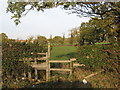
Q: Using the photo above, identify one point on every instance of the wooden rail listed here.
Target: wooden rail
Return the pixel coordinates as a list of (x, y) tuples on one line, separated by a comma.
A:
[(58, 69), (59, 61), (33, 59), (39, 53)]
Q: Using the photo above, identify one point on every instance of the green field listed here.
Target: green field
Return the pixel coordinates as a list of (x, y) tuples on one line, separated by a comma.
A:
[(63, 52)]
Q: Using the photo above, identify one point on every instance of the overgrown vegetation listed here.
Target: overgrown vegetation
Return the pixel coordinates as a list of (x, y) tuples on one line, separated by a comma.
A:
[(103, 27), (12, 52), (100, 57)]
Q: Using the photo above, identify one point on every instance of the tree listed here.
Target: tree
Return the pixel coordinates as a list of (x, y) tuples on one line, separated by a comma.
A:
[(41, 40), (58, 40), (105, 10), (30, 39), (74, 35), (97, 30), (64, 38), (3, 36), (108, 11)]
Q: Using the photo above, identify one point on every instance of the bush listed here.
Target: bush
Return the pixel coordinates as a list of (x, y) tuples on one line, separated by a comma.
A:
[(13, 51), (100, 57)]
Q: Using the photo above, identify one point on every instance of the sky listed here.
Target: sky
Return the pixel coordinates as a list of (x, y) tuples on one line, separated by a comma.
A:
[(55, 22)]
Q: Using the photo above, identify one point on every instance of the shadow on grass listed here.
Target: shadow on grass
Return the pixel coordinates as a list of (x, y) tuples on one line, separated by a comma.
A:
[(69, 55), (62, 84)]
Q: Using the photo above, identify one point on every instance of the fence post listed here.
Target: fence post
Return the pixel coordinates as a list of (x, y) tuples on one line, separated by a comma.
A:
[(48, 63), (48, 50), (29, 75), (36, 74), (47, 68), (24, 70), (71, 67), (35, 60)]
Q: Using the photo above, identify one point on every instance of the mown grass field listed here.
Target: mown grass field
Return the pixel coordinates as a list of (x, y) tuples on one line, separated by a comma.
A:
[(63, 52)]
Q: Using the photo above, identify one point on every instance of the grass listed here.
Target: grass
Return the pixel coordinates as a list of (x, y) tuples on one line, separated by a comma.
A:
[(103, 43), (63, 52)]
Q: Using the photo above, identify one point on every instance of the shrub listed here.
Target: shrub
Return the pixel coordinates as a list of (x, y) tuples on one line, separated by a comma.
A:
[(100, 57)]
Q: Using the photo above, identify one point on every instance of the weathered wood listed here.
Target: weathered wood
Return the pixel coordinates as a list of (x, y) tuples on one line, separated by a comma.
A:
[(48, 49), (29, 75), (41, 66), (31, 59), (36, 74), (77, 64), (59, 69), (24, 74), (35, 60), (72, 59), (93, 74), (59, 61), (71, 67), (47, 68), (40, 53)]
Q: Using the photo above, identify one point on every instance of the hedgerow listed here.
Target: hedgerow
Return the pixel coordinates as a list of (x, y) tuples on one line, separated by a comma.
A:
[(100, 57), (12, 52)]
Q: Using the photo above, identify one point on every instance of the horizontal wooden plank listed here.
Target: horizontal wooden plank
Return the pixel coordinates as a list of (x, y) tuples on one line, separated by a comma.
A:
[(39, 65), (58, 69), (40, 68), (40, 53), (93, 74), (59, 61), (77, 64), (33, 59), (42, 58), (72, 59)]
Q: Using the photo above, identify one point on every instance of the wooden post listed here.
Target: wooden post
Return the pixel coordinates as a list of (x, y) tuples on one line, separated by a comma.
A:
[(24, 70), (29, 75), (48, 60), (35, 62), (48, 50), (47, 68), (36, 74), (24, 74), (71, 67)]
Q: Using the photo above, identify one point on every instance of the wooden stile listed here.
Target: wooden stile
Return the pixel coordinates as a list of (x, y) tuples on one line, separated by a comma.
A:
[(46, 65)]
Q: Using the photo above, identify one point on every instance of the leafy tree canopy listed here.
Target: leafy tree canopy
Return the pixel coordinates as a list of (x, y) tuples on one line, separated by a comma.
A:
[(57, 40), (108, 11)]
